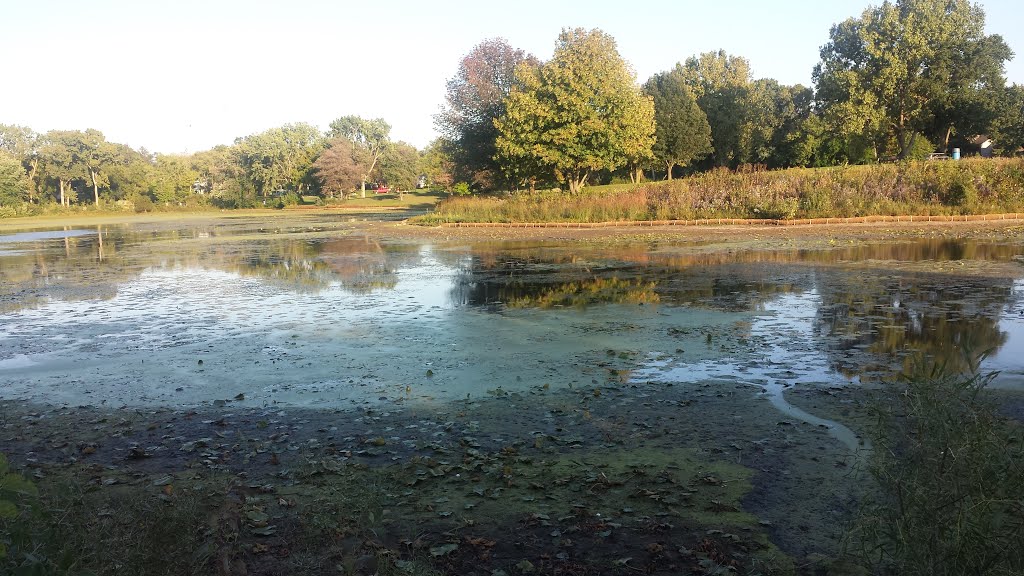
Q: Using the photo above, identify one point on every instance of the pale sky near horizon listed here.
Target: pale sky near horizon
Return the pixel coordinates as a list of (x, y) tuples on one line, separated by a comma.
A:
[(187, 75)]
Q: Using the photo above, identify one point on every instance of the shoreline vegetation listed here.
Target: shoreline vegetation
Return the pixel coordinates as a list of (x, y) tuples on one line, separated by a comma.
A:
[(966, 189)]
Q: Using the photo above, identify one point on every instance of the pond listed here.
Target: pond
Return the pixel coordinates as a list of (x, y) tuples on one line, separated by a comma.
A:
[(491, 386), (303, 316), (305, 312)]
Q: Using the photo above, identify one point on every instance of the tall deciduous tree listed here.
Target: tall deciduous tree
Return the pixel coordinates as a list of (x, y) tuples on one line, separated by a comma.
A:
[(474, 99), (580, 112), (890, 70), (279, 158), (172, 178), (339, 167), (14, 183), (372, 136), (399, 166), (721, 84), (436, 165), (1008, 126), (23, 143), (682, 132), (95, 154), (61, 160)]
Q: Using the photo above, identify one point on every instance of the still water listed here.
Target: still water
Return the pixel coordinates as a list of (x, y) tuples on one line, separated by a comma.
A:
[(307, 314)]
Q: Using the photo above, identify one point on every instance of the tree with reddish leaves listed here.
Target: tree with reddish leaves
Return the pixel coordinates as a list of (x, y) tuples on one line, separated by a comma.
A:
[(340, 167), (475, 98)]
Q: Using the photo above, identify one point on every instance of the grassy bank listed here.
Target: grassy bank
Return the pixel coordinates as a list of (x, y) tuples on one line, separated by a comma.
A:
[(977, 186), (48, 213)]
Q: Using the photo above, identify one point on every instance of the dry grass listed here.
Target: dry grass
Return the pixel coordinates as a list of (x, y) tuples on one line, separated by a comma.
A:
[(975, 186)]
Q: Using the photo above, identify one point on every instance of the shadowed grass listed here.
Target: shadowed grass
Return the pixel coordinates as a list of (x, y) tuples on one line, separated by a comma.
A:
[(949, 474)]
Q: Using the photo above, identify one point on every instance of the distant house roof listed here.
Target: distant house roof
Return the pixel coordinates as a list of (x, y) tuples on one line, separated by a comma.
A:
[(979, 140)]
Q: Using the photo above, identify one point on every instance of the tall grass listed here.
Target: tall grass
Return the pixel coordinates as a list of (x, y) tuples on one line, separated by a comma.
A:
[(949, 479), (971, 186)]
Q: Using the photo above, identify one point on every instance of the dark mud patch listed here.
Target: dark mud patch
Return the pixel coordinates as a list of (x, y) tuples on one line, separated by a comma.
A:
[(604, 480)]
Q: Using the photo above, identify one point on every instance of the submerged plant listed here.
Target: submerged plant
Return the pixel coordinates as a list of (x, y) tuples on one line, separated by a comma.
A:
[(949, 474)]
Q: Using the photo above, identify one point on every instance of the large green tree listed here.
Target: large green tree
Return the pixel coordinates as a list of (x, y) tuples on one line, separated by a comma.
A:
[(1008, 125), (172, 178), (474, 99), (22, 143), (721, 84), (280, 158), (436, 165), (371, 136), (578, 113), (890, 72), (682, 132), (399, 166), (60, 152), (95, 154), (14, 183)]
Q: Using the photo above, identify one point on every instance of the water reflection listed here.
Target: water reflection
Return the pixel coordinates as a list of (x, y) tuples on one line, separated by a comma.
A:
[(841, 312), (907, 322)]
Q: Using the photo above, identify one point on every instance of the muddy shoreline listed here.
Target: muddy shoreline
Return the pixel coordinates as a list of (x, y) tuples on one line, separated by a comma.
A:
[(610, 475), (801, 493)]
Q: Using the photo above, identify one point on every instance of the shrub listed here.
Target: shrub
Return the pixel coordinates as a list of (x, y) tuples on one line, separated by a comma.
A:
[(142, 203), (950, 483)]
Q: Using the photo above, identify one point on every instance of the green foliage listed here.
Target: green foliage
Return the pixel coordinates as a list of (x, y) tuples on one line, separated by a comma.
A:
[(950, 482), (461, 189), (916, 188), (682, 132), (141, 202), (905, 66), (720, 82), (437, 165), (278, 159), (919, 148), (14, 183), (577, 114), (16, 497), (398, 167), (1008, 127)]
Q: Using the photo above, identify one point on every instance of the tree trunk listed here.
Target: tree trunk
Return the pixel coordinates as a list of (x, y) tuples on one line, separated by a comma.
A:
[(362, 189), (95, 187), (949, 132), (61, 180), (33, 165), (668, 170)]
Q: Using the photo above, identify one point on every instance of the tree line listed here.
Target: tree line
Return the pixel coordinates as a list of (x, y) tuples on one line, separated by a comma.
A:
[(274, 167), (902, 80)]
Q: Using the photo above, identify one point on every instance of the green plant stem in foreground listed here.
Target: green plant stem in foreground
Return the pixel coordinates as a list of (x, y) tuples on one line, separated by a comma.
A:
[(949, 474), (975, 186)]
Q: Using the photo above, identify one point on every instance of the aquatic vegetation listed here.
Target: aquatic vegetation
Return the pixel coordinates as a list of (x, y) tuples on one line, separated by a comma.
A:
[(589, 292)]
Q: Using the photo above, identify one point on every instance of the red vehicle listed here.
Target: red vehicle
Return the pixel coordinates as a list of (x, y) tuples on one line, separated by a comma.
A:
[(382, 189)]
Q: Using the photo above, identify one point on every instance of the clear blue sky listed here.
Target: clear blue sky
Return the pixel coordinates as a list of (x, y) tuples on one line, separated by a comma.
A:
[(187, 75)]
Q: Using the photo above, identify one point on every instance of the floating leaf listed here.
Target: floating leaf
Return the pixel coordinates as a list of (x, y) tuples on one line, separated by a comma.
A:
[(265, 530), (8, 509), (443, 550), (526, 567)]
